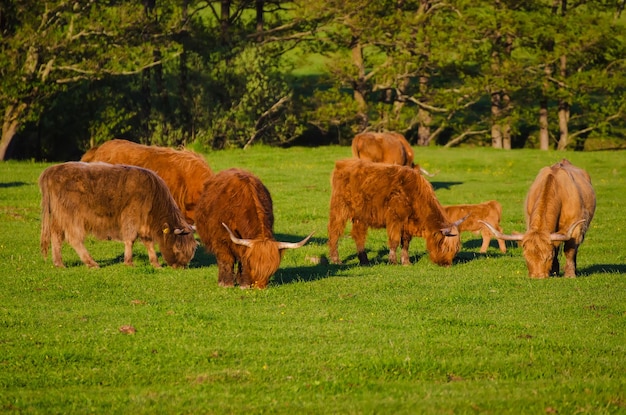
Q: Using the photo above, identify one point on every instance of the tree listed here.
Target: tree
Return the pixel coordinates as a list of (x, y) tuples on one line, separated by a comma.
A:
[(50, 45)]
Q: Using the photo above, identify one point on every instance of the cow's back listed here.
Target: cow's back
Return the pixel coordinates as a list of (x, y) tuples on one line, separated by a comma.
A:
[(184, 172), (238, 199), (560, 195), (390, 148)]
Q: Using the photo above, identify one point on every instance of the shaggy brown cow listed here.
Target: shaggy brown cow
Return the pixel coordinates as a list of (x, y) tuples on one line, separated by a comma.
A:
[(388, 147), (490, 212), (111, 202), (559, 207), (183, 171), (394, 197), (234, 221)]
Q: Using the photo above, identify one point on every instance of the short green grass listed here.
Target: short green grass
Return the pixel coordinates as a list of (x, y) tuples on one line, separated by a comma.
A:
[(478, 337)]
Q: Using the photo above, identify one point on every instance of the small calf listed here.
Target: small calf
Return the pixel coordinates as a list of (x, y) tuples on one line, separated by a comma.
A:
[(490, 212)]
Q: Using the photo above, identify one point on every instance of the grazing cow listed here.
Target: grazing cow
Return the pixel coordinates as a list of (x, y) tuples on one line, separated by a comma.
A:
[(389, 147), (183, 171), (394, 197), (559, 207), (235, 222), (490, 212), (111, 202)]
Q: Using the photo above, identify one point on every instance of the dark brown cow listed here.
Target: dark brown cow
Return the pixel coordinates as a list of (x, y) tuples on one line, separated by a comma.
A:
[(235, 222), (183, 171), (387, 147), (559, 207), (111, 202), (398, 198), (490, 212)]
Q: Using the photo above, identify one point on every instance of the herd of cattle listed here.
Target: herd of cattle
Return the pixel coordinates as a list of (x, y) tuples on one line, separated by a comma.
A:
[(127, 191)]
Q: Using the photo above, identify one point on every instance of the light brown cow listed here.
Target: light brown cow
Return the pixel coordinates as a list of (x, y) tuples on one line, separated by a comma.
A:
[(387, 147), (183, 171), (490, 212), (111, 202), (397, 198), (235, 222), (559, 207)]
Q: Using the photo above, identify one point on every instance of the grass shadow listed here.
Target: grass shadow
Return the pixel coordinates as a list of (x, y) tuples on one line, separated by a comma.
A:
[(289, 275), (602, 269), (444, 185), (12, 184)]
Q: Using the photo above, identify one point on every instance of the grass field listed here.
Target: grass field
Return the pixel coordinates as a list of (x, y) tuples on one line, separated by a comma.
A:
[(477, 337)]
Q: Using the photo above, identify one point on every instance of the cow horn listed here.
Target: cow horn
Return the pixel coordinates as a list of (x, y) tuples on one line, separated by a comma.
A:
[(460, 221), (565, 237), (293, 245), (178, 231), (238, 241), (500, 235)]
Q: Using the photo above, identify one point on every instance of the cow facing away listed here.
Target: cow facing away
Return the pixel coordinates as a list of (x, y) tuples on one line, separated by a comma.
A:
[(559, 207), (397, 198), (235, 222), (387, 147), (111, 202), (490, 212), (183, 171)]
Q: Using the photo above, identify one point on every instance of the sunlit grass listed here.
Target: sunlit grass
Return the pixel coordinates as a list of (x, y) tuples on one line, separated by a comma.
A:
[(478, 337)]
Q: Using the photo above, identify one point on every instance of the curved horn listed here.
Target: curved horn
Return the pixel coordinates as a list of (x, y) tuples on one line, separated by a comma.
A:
[(500, 235), (293, 245), (238, 241), (460, 221), (565, 237)]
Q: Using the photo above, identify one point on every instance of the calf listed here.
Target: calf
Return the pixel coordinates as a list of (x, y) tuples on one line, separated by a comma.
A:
[(490, 212)]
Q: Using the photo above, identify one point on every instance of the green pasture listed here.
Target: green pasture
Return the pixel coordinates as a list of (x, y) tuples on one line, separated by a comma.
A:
[(477, 337)]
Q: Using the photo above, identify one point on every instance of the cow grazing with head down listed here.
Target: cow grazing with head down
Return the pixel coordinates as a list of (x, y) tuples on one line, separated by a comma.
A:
[(387, 147), (111, 202), (490, 212), (235, 222), (183, 171), (397, 198), (559, 207)]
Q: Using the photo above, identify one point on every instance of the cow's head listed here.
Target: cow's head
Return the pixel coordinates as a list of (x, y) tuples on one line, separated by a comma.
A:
[(262, 257), (443, 244), (539, 247), (178, 245)]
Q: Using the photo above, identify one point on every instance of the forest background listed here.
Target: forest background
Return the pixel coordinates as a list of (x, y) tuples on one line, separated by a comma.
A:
[(217, 74)]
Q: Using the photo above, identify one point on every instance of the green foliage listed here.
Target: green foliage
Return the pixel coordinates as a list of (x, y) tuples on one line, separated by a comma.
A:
[(479, 336)]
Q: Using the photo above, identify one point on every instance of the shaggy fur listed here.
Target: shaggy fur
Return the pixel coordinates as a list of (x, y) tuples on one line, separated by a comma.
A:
[(490, 212), (239, 200), (394, 197), (184, 172), (111, 202), (390, 148), (560, 195)]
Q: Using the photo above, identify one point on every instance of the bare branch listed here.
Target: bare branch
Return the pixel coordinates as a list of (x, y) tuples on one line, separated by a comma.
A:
[(259, 127), (464, 135)]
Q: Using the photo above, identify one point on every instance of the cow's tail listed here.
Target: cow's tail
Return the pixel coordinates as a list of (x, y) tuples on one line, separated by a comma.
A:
[(90, 155), (45, 215)]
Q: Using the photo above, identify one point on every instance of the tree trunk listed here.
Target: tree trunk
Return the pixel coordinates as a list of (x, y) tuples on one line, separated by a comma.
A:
[(496, 132), (544, 132), (225, 22), (359, 84), (259, 20), (564, 110), (10, 125), (185, 98), (424, 116)]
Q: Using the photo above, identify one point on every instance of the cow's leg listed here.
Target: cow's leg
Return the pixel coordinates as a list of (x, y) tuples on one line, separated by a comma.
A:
[(336, 226), (570, 249), (225, 271), (359, 234), (555, 261), (393, 240), (152, 255), (404, 255), (77, 242), (57, 243), (486, 239)]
